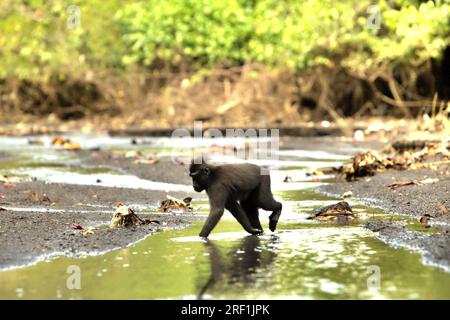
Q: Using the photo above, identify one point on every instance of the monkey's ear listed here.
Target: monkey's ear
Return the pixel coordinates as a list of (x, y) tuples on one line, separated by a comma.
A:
[(198, 160), (207, 171)]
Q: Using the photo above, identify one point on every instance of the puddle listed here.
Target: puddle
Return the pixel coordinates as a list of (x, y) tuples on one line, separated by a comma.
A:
[(102, 180)]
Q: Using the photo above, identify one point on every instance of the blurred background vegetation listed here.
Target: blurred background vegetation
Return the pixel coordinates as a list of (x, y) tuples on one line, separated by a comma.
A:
[(169, 62)]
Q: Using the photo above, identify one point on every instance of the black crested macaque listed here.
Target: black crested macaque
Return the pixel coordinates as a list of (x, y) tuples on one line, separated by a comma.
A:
[(239, 188)]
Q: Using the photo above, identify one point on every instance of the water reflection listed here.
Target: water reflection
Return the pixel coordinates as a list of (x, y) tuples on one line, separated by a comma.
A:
[(247, 258)]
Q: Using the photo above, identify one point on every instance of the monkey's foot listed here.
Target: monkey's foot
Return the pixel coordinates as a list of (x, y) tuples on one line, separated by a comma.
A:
[(273, 220), (256, 231)]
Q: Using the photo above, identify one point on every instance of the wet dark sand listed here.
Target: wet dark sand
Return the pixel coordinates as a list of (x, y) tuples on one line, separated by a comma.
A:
[(164, 170), (39, 226)]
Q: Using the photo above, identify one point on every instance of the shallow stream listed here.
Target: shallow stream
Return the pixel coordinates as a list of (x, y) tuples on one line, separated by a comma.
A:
[(302, 259)]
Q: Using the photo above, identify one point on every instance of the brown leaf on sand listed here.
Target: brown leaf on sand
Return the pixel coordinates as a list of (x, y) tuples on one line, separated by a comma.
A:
[(145, 161), (89, 230), (3, 209), (423, 220), (85, 230), (45, 198), (443, 210), (119, 204), (66, 144), (148, 221), (57, 141), (77, 226), (71, 146), (36, 197), (334, 211), (7, 184), (133, 154), (172, 203), (396, 185), (125, 216), (399, 156)]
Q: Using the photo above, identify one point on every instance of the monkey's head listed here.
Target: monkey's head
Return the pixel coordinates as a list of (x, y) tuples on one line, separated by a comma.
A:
[(200, 174)]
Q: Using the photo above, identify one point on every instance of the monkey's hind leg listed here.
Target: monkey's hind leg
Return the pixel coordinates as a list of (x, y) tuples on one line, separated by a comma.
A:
[(240, 215), (250, 207), (269, 204), (275, 207)]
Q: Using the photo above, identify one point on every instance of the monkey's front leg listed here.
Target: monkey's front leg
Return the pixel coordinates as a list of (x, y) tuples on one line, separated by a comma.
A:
[(214, 216), (240, 215), (217, 200)]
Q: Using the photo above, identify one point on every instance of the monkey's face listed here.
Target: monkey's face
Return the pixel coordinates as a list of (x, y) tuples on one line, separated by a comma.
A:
[(200, 176)]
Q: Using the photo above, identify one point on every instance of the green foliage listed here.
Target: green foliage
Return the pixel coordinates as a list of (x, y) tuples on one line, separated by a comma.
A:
[(288, 33), (36, 42), (205, 31)]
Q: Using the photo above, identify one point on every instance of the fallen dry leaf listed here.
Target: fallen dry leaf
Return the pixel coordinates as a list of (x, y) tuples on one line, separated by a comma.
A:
[(399, 156), (318, 172), (58, 141), (124, 216), (429, 180), (428, 165), (442, 209), (77, 226), (145, 161), (71, 146), (9, 185), (333, 211), (396, 185), (423, 220), (89, 230), (66, 144), (85, 231), (148, 221), (172, 203), (133, 154)]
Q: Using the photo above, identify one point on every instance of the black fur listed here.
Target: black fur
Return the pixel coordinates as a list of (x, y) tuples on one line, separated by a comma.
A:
[(239, 188)]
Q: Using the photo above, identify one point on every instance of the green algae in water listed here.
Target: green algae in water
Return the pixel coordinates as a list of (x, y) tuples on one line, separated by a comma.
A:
[(301, 195), (324, 263), (415, 225)]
